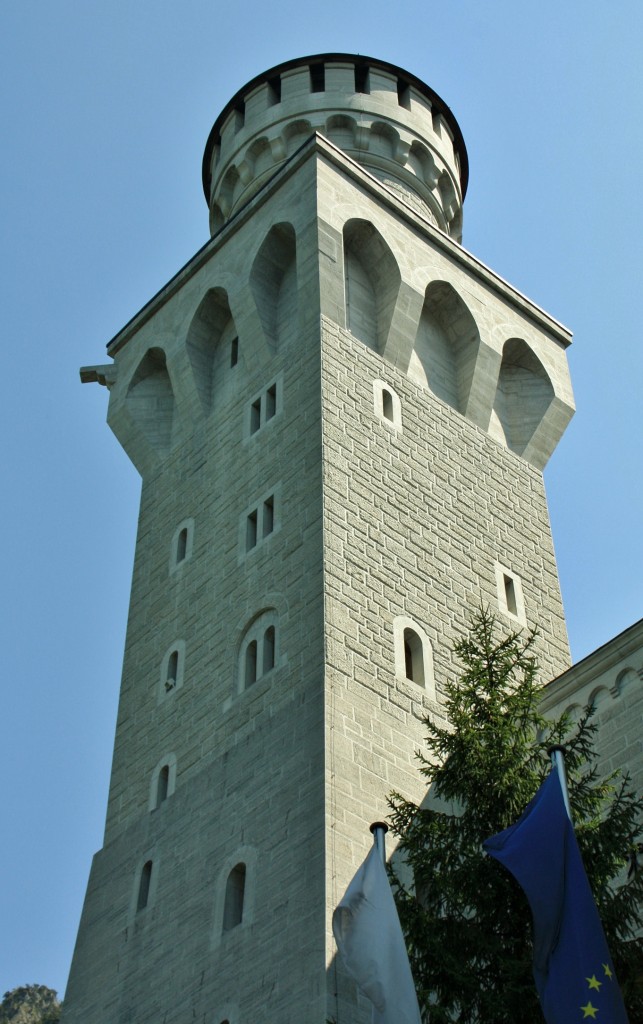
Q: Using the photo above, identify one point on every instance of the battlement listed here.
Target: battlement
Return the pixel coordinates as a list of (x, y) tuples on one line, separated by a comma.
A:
[(380, 115)]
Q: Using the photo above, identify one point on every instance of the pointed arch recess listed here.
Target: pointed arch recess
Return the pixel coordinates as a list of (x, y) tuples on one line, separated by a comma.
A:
[(446, 346), (150, 399), (273, 281), (372, 283), (523, 395), (212, 327)]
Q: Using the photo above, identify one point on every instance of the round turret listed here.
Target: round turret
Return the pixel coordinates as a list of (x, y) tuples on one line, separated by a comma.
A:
[(380, 115)]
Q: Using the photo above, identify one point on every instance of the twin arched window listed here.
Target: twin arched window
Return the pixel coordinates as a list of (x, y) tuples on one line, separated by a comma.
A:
[(259, 649)]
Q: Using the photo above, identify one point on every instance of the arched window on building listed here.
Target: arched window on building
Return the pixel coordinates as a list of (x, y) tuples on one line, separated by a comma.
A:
[(413, 654), (172, 669), (181, 545), (413, 657), (259, 651), (387, 405), (144, 885), (269, 650), (234, 897), (250, 673), (162, 784), (162, 781)]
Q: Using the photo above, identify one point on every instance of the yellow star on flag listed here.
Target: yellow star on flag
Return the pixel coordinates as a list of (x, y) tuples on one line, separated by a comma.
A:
[(606, 968), (593, 982), (589, 1011)]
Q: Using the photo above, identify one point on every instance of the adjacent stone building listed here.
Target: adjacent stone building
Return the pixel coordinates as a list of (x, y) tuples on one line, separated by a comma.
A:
[(341, 418), (608, 679)]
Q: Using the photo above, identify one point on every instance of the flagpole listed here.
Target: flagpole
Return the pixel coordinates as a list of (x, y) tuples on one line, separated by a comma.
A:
[(557, 754), (379, 830)]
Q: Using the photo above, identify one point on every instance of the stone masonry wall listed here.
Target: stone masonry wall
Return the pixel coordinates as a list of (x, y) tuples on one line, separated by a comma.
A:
[(414, 522)]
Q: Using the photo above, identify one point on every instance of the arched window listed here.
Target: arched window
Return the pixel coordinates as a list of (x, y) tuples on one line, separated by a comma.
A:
[(413, 657), (259, 651), (413, 654), (172, 669), (387, 405), (162, 784), (181, 546), (251, 664), (234, 897), (162, 781), (144, 886), (269, 649)]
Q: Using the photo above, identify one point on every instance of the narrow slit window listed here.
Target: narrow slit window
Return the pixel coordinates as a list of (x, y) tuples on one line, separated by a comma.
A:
[(269, 649), (510, 594), (163, 785), (268, 523), (413, 657), (251, 663), (255, 416), (144, 886), (387, 405), (234, 352), (172, 670), (234, 897), (271, 401), (182, 545), (251, 530)]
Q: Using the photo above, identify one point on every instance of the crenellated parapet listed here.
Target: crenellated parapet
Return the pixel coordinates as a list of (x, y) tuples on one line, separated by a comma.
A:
[(380, 115)]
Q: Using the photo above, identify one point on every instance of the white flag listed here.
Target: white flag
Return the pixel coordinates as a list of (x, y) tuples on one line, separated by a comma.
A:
[(369, 937)]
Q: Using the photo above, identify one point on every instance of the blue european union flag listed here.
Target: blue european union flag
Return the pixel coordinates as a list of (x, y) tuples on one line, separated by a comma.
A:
[(572, 967)]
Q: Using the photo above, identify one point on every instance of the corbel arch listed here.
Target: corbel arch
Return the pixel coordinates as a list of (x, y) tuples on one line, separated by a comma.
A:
[(211, 333), (523, 395), (150, 400), (273, 282), (446, 346), (372, 283), (340, 129)]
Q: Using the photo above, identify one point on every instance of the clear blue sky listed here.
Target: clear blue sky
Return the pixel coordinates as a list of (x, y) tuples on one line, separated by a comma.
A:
[(106, 107)]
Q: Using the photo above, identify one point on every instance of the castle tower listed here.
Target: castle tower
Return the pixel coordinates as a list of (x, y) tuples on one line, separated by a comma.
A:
[(341, 419)]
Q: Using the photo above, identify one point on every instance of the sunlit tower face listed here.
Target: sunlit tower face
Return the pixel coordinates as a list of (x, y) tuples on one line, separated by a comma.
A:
[(340, 418)]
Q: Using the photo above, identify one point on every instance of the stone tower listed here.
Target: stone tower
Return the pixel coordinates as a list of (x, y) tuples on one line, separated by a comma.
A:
[(340, 417)]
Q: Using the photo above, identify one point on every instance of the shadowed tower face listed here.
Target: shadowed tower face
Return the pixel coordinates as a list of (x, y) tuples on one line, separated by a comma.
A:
[(341, 419)]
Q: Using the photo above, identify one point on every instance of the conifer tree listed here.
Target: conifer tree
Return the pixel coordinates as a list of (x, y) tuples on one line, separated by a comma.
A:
[(467, 922), (30, 1004)]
